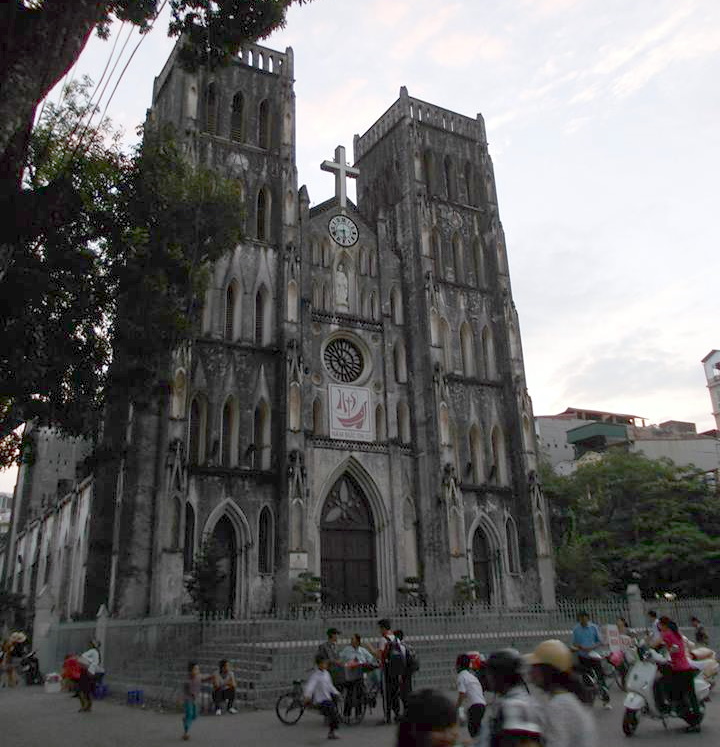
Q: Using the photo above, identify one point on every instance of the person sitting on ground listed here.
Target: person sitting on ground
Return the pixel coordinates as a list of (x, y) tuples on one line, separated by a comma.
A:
[(568, 722), (429, 721), (515, 718), (357, 660), (470, 694), (224, 686), (321, 693), (586, 639), (701, 636)]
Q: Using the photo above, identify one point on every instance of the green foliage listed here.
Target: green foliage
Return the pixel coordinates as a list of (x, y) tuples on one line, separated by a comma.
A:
[(205, 578), (308, 588), (627, 516), (466, 589), (118, 284)]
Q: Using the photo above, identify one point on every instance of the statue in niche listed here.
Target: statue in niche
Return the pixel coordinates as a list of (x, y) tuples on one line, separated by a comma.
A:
[(341, 286)]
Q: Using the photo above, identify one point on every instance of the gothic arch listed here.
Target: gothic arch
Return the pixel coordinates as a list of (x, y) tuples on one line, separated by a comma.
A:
[(437, 254), (263, 314), (179, 392), (197, 429), (400, 362), (488, 353), (396, 310), (477, 468), (264, 124), (210, 108), (467, 348), (318, 424), (232, 307), (237, 115), (512, 544), (450, 178), (189, 538), (457, 255), (263, 214), (229, 432), (486, 569), (292, 301), (499, 455), (410, 548), (384, 540), (266, 540), (228, 510), (479, 261), (403, 422), (446, 345), (444, 425), (528, 441), (294, 407), (261, 435)]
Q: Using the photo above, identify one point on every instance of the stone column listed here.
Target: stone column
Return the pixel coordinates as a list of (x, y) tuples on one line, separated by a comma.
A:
[(635, 606), (45, 631)]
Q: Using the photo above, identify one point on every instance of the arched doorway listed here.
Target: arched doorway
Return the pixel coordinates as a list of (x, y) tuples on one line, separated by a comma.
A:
[(225, 539), (347, 542), (482, 558)]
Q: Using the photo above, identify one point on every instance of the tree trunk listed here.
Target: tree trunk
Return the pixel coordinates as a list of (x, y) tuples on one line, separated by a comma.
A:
[(39, 47)]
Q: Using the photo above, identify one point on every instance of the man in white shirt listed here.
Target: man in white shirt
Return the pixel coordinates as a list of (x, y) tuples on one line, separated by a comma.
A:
[(320, 691), (470, 694)]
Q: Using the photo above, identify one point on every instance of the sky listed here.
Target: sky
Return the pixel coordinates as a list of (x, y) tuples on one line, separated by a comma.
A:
[(602, 123)]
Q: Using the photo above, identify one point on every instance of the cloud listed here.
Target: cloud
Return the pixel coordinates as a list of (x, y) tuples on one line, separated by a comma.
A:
[(459, 50), (415, 36)]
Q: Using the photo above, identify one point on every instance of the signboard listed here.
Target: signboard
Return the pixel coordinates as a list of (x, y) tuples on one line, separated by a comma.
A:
[(350, 417)]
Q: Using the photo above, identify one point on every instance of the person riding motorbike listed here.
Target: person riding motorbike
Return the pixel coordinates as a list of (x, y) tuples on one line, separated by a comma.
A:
[(682, 677), (585, 640)]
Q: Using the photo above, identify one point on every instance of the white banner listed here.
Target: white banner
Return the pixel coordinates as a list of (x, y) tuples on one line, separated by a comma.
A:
[(350, 416)]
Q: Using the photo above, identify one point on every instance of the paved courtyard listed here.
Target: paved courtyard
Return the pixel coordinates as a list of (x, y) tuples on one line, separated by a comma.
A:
[(31, 718)]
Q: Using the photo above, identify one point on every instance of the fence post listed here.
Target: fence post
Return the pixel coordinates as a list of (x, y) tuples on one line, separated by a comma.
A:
[(636, 609), (101, 625)]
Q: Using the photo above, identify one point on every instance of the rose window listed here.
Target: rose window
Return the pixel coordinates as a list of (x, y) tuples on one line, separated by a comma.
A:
[(344, 360)]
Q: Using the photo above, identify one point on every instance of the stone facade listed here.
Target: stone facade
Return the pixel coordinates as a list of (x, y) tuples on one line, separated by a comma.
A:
[(354, 403)]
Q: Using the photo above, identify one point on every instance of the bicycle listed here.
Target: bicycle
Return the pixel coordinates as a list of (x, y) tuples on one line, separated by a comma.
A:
[(290, 706)]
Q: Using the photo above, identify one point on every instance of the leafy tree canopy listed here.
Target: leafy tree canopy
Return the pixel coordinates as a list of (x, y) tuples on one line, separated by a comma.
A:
[(110, 293), (627, 518)]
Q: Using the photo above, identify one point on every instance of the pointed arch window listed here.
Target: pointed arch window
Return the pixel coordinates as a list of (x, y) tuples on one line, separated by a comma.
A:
[(196, 431), (437, 254), (265, 541), (429, 170), (403, 418), (189, 544), (450, 183), (380, 431), (476, 456), (230, 309), (446, 344), (467, 347), (262, 316), (228, 434), (479, 262), (399, 359), (469, 183), (261, 436), (457, 249), (488, 362), (396, 310), (264, 124), (497, 445), (263, 214), (292, 301), (211, 105), (237, 132)]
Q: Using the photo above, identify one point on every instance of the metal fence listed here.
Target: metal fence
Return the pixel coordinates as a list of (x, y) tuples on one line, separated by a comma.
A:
[(269, 650)]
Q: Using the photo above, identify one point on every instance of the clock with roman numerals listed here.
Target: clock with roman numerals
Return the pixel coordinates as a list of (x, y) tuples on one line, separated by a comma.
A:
[(343, 230)]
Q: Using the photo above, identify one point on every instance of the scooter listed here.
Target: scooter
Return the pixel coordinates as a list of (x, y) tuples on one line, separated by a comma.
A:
[(583, 667), (641, 698), (703, 658)]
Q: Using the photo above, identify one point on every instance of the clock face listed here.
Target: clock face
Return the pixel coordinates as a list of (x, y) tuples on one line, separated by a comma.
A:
[(343, 230)]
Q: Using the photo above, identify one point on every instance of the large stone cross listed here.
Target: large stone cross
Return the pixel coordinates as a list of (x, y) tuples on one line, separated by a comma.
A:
[(342, 171)]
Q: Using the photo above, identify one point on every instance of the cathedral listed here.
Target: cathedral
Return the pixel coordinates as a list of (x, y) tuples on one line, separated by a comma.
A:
[(353, 404)]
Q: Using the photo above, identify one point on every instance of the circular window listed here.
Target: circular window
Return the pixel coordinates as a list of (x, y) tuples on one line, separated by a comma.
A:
[(343, 359)]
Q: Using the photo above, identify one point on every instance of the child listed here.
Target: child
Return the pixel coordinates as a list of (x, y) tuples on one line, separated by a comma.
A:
[(320, 691), (470, 693), (192, 690)]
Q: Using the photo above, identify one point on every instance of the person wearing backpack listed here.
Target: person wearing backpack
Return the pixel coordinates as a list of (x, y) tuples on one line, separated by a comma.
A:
[(389, 653), (412, 665)]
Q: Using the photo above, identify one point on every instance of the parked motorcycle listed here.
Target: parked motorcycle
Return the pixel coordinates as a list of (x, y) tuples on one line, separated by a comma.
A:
[(30, 669), (583, 666), (643, 699)]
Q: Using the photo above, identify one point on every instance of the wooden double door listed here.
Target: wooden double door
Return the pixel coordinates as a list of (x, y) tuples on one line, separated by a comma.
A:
[(348, 567)]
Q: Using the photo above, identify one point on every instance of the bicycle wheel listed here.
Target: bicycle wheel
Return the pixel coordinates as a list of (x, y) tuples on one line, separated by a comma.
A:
[(289, 708)]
